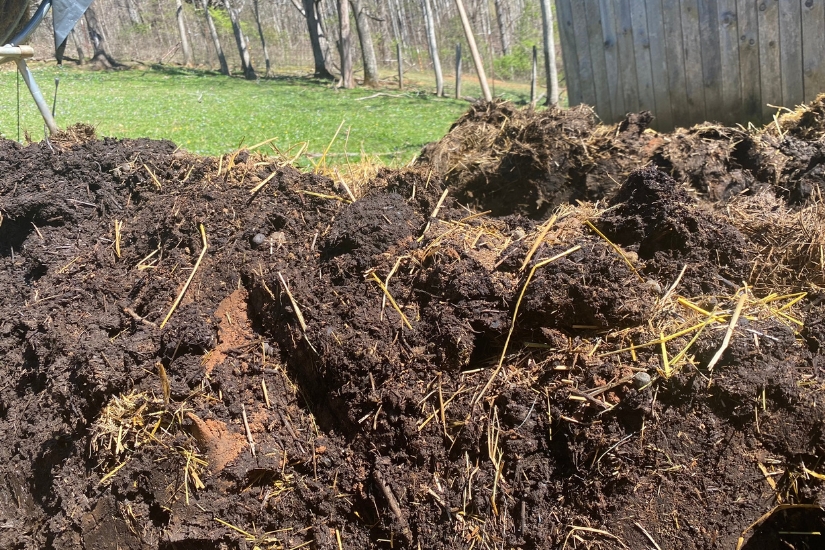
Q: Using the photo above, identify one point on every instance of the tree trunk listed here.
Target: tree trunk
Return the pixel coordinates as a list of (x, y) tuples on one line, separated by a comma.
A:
[(428, 21), (134, 14), (345, 44), (362, 27), (240, 41), (261, 34), (188, 58), (100, 55), (549, 54), (471, 41), (81, 57), (501, 16), (313, 25), (215, 40)]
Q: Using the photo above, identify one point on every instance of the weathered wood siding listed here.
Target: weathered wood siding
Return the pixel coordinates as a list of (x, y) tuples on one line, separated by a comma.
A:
[(688, 61)]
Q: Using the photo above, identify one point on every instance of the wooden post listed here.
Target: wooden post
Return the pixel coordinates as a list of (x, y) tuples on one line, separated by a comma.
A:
[(549, 53), (471, 41), (533, 76), (458, 70), (400, 66)]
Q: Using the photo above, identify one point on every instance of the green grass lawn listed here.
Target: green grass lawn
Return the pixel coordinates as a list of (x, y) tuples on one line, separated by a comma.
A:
[(207, 113)]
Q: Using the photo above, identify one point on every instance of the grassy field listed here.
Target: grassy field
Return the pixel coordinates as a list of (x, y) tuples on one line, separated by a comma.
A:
[(207, 113)]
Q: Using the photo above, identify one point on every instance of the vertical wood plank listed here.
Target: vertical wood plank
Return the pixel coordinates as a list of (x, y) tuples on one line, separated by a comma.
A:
[(749, 70), (611, 56), (770, 76), (671, 15), (694, 78), (598, 61), (790, 52), (641, 50), (729, 57), (658, 63), (711, 59), (570, 57), (627, 58), (586, 75), (813, 47)]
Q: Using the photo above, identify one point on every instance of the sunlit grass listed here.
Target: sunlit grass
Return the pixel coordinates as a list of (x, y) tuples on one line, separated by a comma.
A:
[(207, 113)]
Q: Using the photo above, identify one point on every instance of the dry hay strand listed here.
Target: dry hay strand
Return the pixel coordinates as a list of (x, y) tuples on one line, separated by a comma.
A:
[(127, 422), (74, 135), (806, 122), (789, 245), (489, 132)]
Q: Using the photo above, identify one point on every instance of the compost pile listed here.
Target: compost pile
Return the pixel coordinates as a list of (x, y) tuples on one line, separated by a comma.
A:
[(230, 353), (507, 160)]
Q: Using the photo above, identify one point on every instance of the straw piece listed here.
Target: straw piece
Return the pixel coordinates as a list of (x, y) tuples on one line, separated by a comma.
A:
[(391, 299), (539, 264), (726, 340), (189, 280), (539, 239)]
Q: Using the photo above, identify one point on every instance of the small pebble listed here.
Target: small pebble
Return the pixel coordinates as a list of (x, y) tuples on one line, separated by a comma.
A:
[(654, 286), (518, 233), (640, 380), (258, 239)]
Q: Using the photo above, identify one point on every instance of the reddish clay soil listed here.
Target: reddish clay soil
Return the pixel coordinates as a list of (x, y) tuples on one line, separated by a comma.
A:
[(399, 372)]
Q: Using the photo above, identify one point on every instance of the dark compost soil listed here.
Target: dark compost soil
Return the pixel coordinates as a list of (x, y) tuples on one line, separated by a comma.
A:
[(350, 375)]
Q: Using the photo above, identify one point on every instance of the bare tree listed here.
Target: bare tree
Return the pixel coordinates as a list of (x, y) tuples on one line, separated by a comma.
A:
[(313, 25), (240, 41), (99, 55), (362, 26), (345, 44), (188, 58), (213, 33), (261, 34), (549, 54), (428, 21), (501, 16)]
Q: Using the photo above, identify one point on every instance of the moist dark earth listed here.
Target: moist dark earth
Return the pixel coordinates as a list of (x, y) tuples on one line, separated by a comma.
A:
[(228, 353)]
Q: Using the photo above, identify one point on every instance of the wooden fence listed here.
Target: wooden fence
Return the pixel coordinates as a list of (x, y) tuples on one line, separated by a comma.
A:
[(689, 61)]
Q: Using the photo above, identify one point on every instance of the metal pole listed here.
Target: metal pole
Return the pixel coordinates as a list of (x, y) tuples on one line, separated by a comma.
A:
[(42, 106)]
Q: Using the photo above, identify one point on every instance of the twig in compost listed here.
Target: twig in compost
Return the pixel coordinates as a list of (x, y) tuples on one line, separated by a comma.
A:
[(539, 264), (393, 503), (391, 299), (296, 309), (189, 280), (131, 313), (248, 431), (728, 333)]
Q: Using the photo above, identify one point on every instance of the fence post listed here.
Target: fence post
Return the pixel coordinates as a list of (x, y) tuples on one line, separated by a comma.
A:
[(400, 66), (458, 70), (533, 75)]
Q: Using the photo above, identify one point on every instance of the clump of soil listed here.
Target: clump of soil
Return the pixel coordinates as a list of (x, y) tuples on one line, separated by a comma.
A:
[(191, 362), (508, 160)]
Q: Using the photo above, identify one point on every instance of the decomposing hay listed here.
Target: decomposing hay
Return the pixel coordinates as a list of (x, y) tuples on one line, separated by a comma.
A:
[(511, 160), (501, 158), (789, 244)]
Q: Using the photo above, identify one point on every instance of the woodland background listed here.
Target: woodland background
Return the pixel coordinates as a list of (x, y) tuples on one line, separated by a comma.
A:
[(267, 37)]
